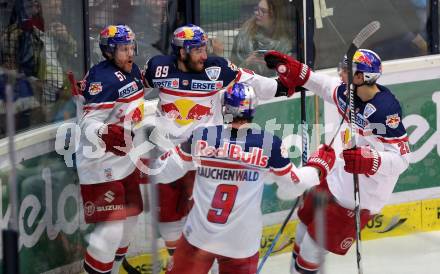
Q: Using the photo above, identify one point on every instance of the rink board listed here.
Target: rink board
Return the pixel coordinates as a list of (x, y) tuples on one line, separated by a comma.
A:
[(393, 220)]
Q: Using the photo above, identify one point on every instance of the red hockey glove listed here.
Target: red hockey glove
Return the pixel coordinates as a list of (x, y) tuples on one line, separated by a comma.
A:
[(290, 71), (114, 138), (361, 160), (323, 159)]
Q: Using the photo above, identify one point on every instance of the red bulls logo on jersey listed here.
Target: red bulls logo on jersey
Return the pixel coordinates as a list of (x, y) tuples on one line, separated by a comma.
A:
[(232, 151), (185, 111)]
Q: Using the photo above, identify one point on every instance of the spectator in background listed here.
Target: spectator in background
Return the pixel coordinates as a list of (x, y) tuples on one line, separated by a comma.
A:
[(33, 8), (60, 53), (20, 61), (20, 44), (402, 33), (270, 28)]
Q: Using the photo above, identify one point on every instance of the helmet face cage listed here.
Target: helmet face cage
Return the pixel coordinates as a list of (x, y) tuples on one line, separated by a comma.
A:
[(188, 37), (367, 62), (114, 35), (240, 101)]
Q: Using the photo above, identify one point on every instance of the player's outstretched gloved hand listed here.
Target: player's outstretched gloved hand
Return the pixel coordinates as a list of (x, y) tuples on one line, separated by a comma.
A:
[(323, 159), (291, 72), (361, 160), (115, 139)]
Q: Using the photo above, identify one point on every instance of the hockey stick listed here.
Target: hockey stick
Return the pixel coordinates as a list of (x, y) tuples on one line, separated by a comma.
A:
[(306, 31), (307, 37), (129, 268), (360, 38), (363, 35), (277, 236)]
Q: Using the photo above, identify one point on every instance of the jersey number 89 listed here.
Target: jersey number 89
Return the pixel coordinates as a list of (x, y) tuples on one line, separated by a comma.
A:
[(161, 71), (222, 203)]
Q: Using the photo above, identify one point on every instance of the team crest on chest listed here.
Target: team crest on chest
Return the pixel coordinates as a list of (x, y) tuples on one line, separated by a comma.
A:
[(369, 109), (213, 73)]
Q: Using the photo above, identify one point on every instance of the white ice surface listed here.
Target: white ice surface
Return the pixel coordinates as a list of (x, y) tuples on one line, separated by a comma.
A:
[(414, 254)]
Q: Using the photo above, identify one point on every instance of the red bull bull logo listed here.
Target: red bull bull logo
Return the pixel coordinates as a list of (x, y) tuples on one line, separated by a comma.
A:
[(95, 88), (185, 111), (138, 114), (110, 31), (359, 57), (135, 116), (393, 121), (186, 33)]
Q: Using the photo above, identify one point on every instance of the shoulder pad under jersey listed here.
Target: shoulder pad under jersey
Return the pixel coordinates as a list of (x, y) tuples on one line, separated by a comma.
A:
[(101, 82), (385, 110)]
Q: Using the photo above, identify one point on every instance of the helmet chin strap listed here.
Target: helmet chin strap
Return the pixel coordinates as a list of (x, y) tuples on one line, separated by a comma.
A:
[(364, 83)]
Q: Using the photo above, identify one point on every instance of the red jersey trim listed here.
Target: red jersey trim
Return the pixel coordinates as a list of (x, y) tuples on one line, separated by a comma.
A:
[(99, 106), (185, 93), (183, 155), (394, 140), (237, 77), (282, 171)]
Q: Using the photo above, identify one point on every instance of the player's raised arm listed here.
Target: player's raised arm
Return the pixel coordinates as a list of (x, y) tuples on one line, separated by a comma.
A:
[(293, 181), (173, 164), (292, 73)]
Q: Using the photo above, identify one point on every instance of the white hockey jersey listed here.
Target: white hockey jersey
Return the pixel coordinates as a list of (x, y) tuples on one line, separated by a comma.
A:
[(188, 100), (232, 166), (111, 96), (378, 124)]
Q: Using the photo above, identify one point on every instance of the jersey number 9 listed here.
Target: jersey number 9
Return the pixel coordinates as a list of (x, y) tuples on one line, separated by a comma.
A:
[(222, 203)]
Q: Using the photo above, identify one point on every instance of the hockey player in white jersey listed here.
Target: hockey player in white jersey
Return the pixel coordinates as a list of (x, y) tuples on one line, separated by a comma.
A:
[(381, 154), (232, 162), (113, 106), (190, 85)]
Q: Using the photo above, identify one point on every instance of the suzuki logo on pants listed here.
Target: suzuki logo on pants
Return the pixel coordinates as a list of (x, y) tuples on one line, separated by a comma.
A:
[(109, 196)]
